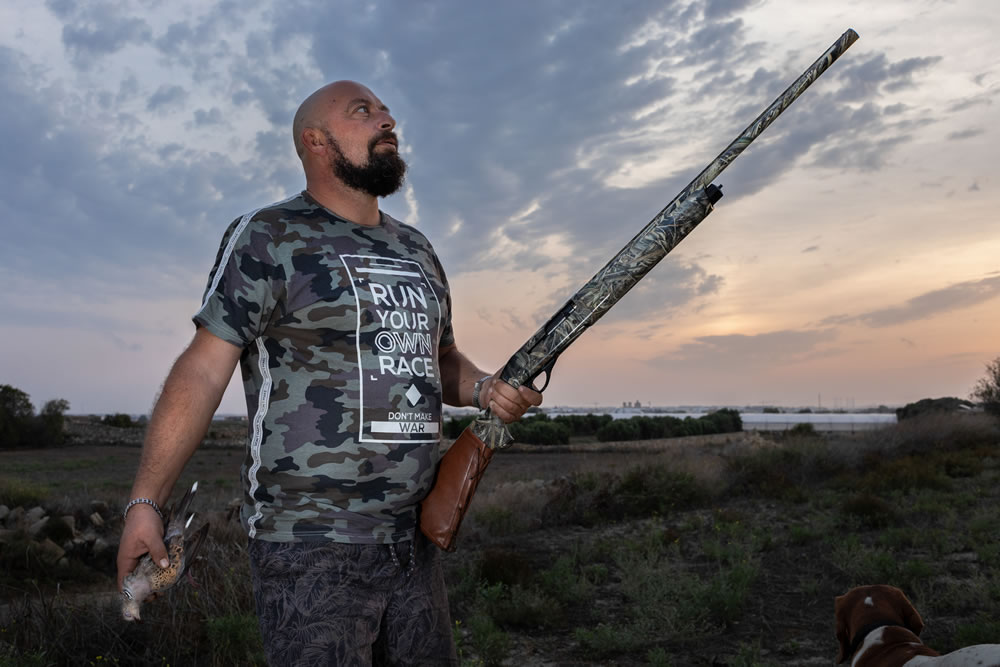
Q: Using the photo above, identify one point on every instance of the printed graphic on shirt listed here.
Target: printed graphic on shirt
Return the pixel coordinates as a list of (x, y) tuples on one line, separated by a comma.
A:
[(398, 332)]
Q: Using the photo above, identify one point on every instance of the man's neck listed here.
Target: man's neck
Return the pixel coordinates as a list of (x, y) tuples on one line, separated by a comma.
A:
[(351, 205)]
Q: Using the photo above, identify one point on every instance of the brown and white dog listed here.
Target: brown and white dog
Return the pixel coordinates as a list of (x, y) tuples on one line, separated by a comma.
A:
[(879, 627)]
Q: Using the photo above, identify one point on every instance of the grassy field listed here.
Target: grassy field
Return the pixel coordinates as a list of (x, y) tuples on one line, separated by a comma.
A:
[(719, 551)]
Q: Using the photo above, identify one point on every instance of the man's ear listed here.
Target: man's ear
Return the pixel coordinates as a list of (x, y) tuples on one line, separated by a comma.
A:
[(840, 612), (313, 140)]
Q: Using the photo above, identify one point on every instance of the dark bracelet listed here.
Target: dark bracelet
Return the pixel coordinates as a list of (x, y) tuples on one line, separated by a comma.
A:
[(142, 501)]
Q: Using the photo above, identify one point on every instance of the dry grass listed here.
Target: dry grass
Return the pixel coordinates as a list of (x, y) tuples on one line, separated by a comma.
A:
[(730, 550)]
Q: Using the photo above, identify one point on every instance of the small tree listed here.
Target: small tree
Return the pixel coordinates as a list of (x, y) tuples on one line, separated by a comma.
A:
[(20, 427), (987, 389), (16, 415), (52, 420)]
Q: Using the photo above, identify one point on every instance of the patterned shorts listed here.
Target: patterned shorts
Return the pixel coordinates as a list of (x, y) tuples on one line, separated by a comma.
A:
[(329, 603)]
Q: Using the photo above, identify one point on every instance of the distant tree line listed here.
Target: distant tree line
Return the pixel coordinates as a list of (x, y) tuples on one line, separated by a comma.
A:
[(21, 427), (540, 429), (650, 428), (930, 405), (985, 393)]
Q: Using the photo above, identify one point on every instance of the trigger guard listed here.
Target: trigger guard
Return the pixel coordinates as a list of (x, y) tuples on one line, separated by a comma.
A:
[(547, 369)]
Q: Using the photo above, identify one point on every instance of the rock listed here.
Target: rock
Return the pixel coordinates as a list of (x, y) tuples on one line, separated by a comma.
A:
[(38, 526), (33, 515), (63, 563), (50, 552), (96, 520), (70, 521), (100, 546), (99, 506), (14, 518), (4, 511), (7, 535)]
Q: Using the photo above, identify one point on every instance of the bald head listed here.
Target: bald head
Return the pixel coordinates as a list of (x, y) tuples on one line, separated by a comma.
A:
[(313, 110)]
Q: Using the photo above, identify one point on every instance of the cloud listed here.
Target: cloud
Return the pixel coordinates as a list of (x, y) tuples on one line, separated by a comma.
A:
[(966, 133), (669, 286), (741, 352), (96, 29), (715, 9), (115, 202), (866, 79), (209, 117), (927, 305), (166, 98)]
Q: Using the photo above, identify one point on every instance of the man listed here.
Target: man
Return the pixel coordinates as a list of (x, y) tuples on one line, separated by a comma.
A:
[(340, 317)]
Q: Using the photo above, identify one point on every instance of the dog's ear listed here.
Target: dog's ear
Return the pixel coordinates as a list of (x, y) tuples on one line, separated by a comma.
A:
[(841, 626), (907, 612)]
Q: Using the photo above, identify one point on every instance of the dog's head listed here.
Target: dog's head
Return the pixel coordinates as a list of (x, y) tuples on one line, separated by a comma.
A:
[(866, 607)]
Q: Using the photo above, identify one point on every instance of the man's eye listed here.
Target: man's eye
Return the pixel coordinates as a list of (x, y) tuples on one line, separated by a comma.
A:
[(363, 108)]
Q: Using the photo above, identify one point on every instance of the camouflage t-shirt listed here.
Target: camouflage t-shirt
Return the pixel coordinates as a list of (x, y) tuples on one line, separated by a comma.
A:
[(340, 326)]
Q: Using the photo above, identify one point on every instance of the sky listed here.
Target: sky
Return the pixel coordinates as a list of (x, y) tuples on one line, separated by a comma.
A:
[(853, 261)]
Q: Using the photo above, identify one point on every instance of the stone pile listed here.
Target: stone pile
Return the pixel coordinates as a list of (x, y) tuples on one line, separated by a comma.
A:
[(54, 539)]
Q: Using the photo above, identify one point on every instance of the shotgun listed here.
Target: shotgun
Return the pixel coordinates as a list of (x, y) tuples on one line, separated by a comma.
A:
[(462, 466)]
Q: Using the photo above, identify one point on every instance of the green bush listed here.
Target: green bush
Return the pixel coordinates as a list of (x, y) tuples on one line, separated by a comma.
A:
[(540, 430), (20, 427), (583, 425), (652, 428), (803, 428), (930, 405), (118, 420), (987, 389), (654, 490), (235, 639), (14, 492), (454, 427)]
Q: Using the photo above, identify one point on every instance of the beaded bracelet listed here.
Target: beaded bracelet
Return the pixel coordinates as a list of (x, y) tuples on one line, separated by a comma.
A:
[(142, 501)]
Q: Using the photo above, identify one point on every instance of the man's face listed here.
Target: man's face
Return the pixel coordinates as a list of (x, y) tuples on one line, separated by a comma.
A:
[(380, 176)]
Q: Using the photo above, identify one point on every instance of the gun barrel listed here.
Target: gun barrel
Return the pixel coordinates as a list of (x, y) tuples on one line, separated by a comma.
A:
[(671, 225), (761, 122)]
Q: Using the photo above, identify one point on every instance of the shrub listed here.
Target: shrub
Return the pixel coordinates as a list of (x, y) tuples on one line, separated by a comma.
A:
[(539, 431), (454, 427), (118, 420), (931, 405), (654, 490), (935, 432), (803, 428), (20, 427), (870, 510), (235, 639), (649, 428), (14, 492), (583, 425), (987, 389)]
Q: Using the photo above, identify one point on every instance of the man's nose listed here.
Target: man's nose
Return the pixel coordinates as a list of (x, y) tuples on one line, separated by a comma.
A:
[(386, 121)]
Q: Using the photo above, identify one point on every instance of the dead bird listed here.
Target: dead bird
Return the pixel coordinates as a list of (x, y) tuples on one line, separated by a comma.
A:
[(148, 580)]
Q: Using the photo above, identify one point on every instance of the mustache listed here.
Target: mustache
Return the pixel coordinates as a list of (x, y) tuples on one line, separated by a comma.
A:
[(385, 134)]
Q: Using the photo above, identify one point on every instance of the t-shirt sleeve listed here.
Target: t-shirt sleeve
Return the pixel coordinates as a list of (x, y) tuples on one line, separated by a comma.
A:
[(244, 286)]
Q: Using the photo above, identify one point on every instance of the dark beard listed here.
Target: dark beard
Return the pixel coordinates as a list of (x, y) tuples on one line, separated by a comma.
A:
[(382, 175)]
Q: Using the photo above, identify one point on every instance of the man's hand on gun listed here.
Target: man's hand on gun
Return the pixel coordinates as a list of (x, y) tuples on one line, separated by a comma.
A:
[(506, 402)]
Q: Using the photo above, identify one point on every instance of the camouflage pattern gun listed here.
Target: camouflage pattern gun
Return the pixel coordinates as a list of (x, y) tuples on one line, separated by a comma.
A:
[(464, 463)]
